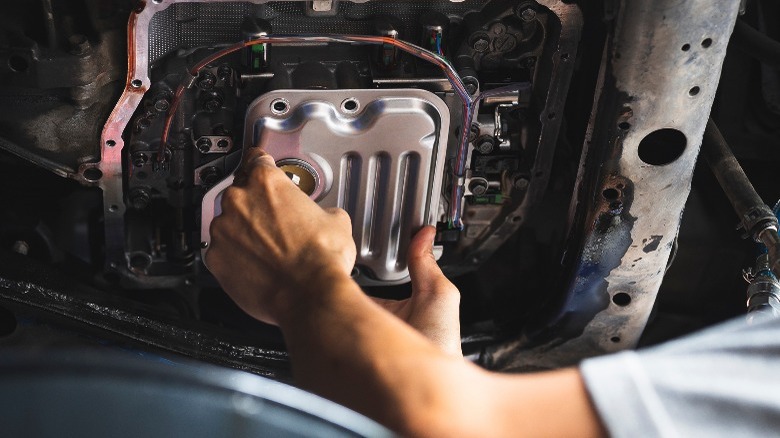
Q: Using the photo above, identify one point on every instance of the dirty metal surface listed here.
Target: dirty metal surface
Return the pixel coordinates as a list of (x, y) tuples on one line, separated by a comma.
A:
[(657, 84)]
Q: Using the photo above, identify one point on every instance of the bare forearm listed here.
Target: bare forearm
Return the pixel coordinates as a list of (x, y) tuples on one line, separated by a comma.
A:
[(348, 349)]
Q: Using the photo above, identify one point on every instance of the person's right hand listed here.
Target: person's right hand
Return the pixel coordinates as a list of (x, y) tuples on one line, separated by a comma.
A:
[(273, 247), (433, 308)]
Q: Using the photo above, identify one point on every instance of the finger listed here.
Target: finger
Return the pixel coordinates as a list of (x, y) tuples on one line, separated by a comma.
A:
[(424, 271), (253, 157)]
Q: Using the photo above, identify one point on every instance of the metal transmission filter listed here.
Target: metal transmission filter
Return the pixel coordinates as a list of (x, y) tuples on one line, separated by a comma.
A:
[(378, 154)]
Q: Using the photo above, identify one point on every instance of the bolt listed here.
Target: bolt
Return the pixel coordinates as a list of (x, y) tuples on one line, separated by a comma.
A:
[(485, 145), (210, 175), (162, 104), (207, 81), (21, 247), (224, 72), (498, 29), (223, 143), (478, 187), (521, 183), (79, 45), (481, 44), (204, 145), (139, 159), (213, 101), (139, 198), (527, 14)]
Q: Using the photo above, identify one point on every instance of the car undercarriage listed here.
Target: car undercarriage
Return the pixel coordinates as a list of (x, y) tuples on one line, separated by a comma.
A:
[(553, 144)]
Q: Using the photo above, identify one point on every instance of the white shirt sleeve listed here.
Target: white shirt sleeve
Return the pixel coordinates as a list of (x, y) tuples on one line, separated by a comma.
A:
[(722, 382)]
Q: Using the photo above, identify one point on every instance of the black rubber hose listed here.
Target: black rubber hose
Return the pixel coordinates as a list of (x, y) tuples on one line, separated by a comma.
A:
[(758, 220), (756, 44)]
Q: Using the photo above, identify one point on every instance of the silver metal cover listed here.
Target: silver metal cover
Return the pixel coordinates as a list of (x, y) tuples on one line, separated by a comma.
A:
[(378, 154)]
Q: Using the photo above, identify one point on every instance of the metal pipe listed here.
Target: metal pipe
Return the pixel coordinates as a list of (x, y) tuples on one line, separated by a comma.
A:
[(758, 220)]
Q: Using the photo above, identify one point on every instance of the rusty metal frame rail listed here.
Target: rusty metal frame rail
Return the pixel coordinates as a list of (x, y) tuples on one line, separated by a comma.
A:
[(657, 83)]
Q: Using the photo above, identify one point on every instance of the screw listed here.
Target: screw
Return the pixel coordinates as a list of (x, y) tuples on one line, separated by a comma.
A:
[(527, 14), (481, 44), (139, 198), (485, 145), (223, 143), (207, 81), (139, 159), (204, 145)]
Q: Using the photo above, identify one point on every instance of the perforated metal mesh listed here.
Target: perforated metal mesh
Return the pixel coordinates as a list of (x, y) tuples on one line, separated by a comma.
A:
[(188, 25)]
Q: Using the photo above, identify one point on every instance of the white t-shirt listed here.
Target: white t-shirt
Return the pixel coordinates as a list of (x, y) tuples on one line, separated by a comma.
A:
[(721, 382)]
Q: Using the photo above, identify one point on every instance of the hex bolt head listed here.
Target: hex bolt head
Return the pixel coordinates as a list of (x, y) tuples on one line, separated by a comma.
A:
[(204, 145), (528, 14), (485, 145), (481, 44), (521, 183), (139, 159), (139, 198), (162, 105), (478, 186), (207, 81)]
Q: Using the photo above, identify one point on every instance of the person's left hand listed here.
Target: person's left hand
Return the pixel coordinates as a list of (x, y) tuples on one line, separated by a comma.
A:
[(433, 308)]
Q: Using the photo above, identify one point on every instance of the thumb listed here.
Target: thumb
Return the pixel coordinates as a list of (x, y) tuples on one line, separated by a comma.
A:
[(424, 271)]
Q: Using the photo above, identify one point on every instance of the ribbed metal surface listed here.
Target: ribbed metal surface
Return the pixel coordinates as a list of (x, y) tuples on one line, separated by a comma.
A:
[(383, 163)]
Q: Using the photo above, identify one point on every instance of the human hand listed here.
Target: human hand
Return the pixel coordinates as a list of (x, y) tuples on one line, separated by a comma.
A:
[(272, 244), (433, 307)]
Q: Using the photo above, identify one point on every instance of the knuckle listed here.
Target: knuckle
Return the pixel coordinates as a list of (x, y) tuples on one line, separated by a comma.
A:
[(231, 197)]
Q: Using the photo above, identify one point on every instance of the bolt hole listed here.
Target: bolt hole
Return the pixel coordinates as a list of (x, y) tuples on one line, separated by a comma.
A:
[(610, 194), (113, 208), (18, 64), (621, 299), (564, 56), (624, 126), (136, 83), (706, 42), (694, 91), (551, 116), (279, 106), (615, 339), (349, 105), (517, 219), (140, 260), (662, 147), (110, 143), (92, 174), (685, 47), (7, 322)]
